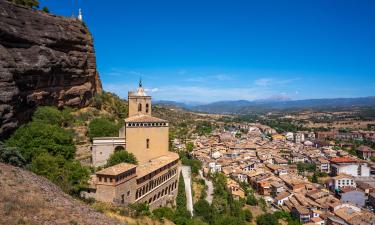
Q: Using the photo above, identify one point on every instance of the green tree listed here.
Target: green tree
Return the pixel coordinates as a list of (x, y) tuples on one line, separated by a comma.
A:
[(29, 3), (202, 209), (163, 212), (102, 127), (263, 204), (11, 155), (45, 9), (52, 115), (314, 178), (35, 138), (248, 215), (181, 209), (189, 146), (267, 219), (251, 200), (121, 157), (69, 175), (140, 209)]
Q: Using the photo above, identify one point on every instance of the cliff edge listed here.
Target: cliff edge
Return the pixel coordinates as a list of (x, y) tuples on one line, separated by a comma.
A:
[(44, 60)]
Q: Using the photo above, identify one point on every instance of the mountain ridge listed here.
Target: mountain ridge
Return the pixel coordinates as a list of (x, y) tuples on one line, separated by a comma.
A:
[(246, 106)]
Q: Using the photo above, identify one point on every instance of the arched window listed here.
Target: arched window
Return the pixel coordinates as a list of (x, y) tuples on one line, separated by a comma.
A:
[(147, 143), (147, 108), (119, 148), (139, 107)]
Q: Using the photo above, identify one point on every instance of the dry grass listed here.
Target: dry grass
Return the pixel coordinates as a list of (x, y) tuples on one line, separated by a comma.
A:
[(29, 199)]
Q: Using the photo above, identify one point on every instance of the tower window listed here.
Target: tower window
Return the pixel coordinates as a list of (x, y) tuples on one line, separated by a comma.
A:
[(139, 107), (147, 108), (147, 143)]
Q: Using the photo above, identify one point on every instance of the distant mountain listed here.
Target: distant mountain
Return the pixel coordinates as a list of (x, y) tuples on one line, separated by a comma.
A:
[(184, 105), (244, 106), (171, 104)]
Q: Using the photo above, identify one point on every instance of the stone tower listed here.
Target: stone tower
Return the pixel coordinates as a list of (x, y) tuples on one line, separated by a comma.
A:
[(146, 136), (139, 102)]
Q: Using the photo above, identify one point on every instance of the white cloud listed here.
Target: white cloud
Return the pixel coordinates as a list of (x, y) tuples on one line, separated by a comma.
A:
[(266, 82)]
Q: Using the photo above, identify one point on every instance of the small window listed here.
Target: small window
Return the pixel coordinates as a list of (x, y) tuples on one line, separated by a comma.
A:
[(147, 143), (147, 108), (128, 193), (139, 107)]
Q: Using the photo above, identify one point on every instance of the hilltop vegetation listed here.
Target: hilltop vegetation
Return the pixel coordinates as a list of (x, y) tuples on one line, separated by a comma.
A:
[(46, 147)]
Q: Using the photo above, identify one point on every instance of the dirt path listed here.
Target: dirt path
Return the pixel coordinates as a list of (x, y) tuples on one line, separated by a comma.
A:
[(210, 188), (186, 173)]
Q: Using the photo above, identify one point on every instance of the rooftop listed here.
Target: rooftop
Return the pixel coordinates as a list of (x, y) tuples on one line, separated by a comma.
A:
[(144, 119), (342, 160), (154, 164), (116, 169)]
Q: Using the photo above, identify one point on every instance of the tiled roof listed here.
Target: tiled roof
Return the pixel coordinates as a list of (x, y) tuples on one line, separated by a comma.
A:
[(342, 160), (116, 169), (154, 164), (144, 119)]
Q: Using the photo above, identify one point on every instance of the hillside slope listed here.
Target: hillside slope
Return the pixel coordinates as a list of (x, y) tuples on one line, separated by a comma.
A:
[(26, 198)]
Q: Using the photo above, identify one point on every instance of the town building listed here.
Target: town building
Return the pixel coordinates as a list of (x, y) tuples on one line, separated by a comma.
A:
[(365, 152), (348, 165)]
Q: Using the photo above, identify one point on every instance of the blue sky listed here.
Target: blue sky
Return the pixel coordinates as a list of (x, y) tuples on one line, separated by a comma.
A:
[(204, 51)]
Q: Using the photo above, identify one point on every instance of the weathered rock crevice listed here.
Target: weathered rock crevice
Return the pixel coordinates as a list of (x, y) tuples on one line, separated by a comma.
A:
[(44, 60)]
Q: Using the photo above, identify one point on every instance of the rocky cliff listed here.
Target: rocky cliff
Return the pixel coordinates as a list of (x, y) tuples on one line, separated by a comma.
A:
[(44, 60)]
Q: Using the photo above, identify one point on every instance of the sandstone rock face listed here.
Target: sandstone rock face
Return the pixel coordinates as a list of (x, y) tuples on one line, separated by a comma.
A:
[(44, 60)]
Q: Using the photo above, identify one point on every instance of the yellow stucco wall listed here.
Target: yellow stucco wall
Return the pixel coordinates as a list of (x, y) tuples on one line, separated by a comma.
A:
[(133, 105), (136, 142)]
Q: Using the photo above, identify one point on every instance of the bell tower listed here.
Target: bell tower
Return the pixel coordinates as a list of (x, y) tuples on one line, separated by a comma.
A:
[(139, 102), (146, 136)]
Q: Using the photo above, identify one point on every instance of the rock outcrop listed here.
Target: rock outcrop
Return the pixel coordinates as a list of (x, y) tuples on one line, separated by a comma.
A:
[(44, 60)]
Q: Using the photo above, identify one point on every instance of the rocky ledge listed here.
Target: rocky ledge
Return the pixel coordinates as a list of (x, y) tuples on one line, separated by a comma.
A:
[(44, 60)]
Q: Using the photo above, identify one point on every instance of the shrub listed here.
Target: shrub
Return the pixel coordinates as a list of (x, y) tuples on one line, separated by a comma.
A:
[(251, 200), (163, 212), (69, 175), (267, 219), (140, 209), (35, 138), (102, 127), (202, 209), (8, 208), (248, 215), (29, 3), (53, 116), (11, 155), (121, 157)]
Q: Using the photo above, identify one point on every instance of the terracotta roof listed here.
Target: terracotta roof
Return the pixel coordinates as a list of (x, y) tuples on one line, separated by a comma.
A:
[(282, 195), (116, 169), (342, 160), (144, 118), (154, 164), (364, 148)]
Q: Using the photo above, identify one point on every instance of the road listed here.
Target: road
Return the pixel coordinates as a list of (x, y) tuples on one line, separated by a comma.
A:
[(186, 173), (210, 188)]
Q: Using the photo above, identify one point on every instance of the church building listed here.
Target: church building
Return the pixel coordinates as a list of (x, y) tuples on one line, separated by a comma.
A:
[(155, 179)]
